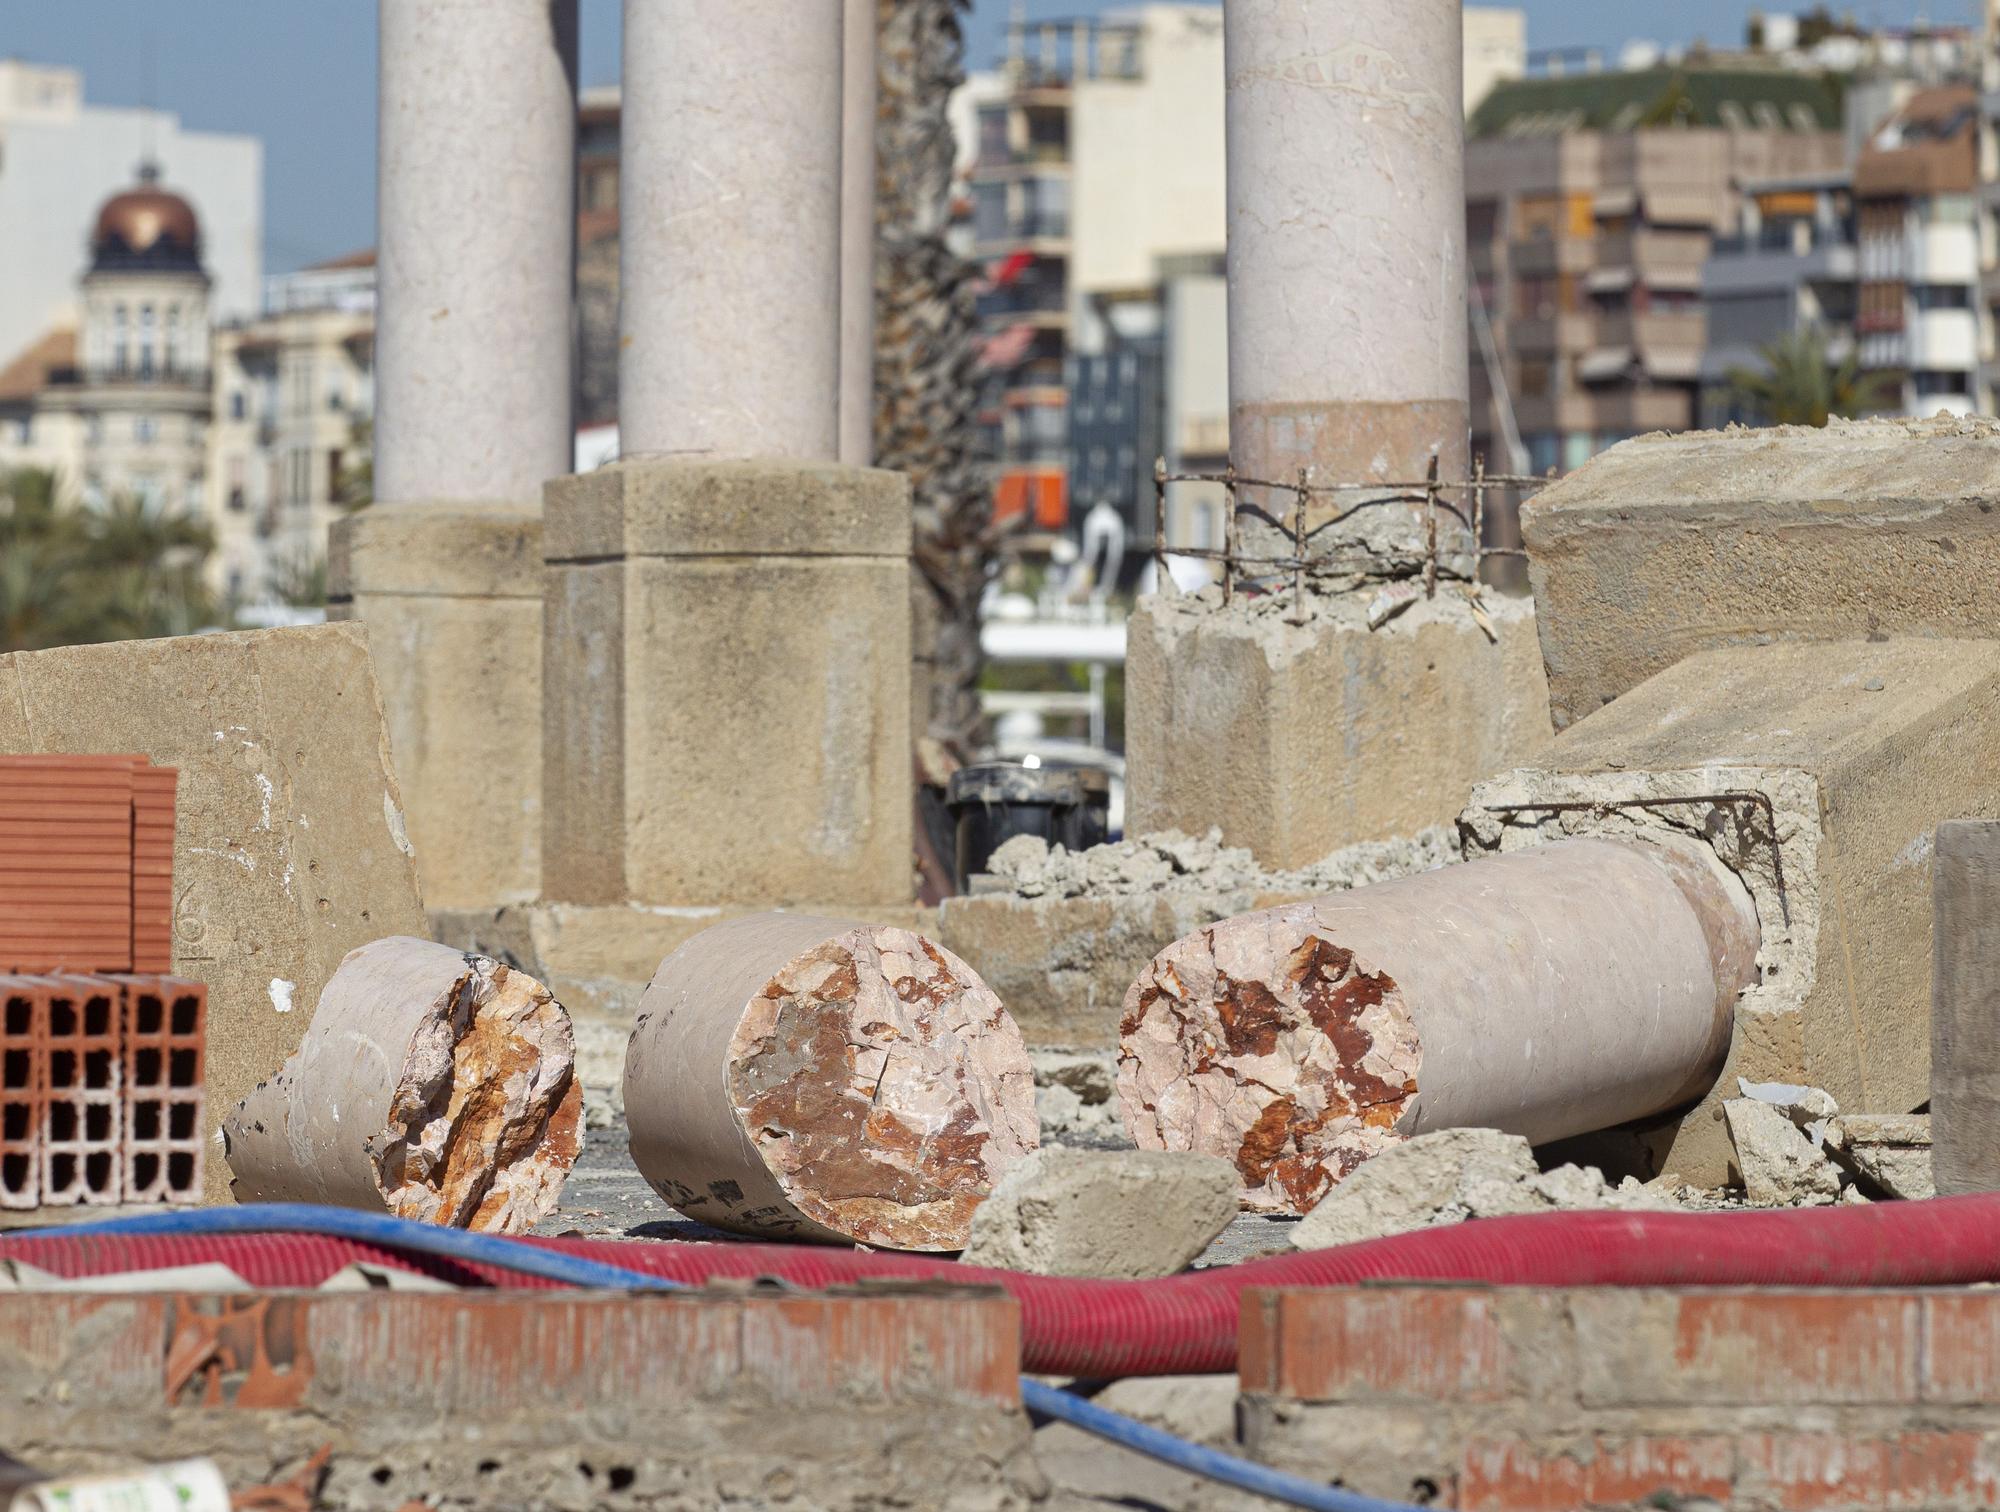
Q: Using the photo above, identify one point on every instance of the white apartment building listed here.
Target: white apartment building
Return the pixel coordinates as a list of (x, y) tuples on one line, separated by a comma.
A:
[(61, 159), (294, 391)]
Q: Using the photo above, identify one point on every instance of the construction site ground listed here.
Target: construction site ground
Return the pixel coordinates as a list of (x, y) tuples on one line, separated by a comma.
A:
[(607, 1198)]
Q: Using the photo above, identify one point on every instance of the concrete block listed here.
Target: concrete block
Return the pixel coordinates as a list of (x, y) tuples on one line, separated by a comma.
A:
[(1666, 545), (1299, 739), (290, 846), (1124, 1215), (726, 666), (452, 597), (1965, 1007), (1817, 772)]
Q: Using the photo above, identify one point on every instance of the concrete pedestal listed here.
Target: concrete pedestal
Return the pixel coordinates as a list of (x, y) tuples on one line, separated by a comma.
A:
[(726, 665), (1299, 739), (452, 597)]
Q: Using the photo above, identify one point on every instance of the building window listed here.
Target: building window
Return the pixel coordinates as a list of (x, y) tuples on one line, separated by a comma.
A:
[(173, 339), (334, 461), (1933, 385), (145, 428), (120, 350), (145, 341), (238, 404), (1943, 296), (237, 502)]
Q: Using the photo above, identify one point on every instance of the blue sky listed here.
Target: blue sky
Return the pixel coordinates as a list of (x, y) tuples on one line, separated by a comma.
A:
[(301, 75)]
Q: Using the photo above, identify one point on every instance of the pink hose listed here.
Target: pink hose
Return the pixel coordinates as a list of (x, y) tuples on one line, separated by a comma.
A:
[(1187, 1324)]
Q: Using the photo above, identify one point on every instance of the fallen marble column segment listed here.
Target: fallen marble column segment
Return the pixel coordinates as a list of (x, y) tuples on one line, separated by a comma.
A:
[(432, 1084), (1121, 1215), (805, 1078), (1545, 994)]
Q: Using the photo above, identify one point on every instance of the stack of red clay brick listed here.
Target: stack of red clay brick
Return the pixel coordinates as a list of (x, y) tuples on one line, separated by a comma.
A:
[(100, 1045)]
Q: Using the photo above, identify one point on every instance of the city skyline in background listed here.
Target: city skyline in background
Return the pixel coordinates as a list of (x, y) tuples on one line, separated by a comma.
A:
[(303, 79)]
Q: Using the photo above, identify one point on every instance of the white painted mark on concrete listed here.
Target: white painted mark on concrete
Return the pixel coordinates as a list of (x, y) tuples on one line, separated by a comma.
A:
[(281, 994), (264, 787)]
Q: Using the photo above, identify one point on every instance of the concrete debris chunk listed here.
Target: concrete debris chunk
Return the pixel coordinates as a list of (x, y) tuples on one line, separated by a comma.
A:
[(1781, 1167), (1118, 1214), (795, 1077), (1075, 1094), (432, 1085), (1890, 1150), (1435, 1180)]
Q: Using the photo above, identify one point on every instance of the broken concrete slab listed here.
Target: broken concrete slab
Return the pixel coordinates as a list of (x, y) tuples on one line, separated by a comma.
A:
[(1126, 1215), (805, 1078), (1453, 1175), (432, 1085), (1817, 774), (1298, 739), (1780, 1167), (1667, 545), (290, 847), (1891, 1152)]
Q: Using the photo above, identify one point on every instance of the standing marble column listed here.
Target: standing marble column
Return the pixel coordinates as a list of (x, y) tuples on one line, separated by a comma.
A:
[(730, 194), (857, 232), (476, 193), (474, 411), (1346, 161)]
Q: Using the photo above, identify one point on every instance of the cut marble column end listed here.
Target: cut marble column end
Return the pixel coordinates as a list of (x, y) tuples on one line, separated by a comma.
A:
[(802, 1078), (432, 1085)]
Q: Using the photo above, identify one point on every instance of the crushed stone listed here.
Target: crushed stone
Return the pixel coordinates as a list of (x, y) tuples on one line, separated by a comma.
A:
[(1170, 861)]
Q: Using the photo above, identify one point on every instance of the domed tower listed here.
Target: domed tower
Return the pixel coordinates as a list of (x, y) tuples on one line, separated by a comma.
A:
[(143, 387)]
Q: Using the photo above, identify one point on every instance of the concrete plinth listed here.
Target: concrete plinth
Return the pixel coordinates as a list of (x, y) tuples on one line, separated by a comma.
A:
[(1818, 773), (1668, 545), (1299, 739), (726, 676), (452, 596)]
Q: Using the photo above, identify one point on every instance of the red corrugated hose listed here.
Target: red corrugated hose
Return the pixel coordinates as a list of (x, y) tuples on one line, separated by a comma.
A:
[(1186, 1324)]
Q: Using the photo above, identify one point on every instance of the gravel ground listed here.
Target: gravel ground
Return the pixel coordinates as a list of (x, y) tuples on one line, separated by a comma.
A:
[(606, 1198)]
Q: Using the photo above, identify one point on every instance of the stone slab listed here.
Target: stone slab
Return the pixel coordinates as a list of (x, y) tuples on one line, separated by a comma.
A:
[(452, 597), (1818, 773), (290, 847), (1297, 740), (1670, 544), (727, 725)]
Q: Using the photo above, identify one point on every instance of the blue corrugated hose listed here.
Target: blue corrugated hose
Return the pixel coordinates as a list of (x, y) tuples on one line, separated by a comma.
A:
[(553, 1265)]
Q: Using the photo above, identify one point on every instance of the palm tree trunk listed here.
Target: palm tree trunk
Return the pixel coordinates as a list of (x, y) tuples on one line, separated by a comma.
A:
[(925, 384)]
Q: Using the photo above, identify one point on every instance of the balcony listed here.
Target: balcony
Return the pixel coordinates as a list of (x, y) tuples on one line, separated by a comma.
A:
[(1653, 332), (1037, 302), (1545, 334), (1944, 341), (1779, 258), (1547, 255), (1946, 254)]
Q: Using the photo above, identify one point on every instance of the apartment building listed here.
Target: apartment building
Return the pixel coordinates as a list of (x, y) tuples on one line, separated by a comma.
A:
[(294, 390), (1593, 202), (1884, 260)]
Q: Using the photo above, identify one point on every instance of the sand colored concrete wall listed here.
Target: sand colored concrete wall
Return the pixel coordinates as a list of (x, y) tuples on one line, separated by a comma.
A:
[(452, 597), (1668, 545), (1297, 740), (726, 675), (1818, 773), (290, 846), (533, 1398)]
